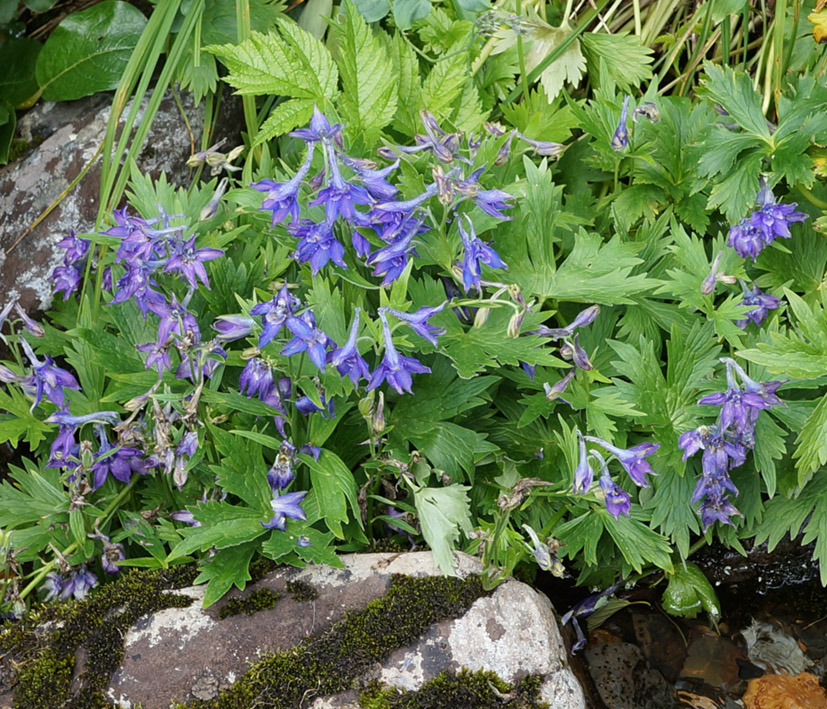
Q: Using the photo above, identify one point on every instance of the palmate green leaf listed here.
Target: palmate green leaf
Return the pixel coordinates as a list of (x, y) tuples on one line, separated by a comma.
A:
[(222, 526), (787, 515), (369, 97), (443, 513), (812, 444), (540, 119), (89, 50), (734, 91), (444, 84), (594, 272), (227, 568), (372, 10), (670, 507), (581, 534), (639, 545), (282, 546), (470, 115), (735, 194), (335, 489), (627, 60), (289, 62), (639, 200), (770, 445), (447, 446), (540, 40), (242, 471), (20, 421), (33, 496)]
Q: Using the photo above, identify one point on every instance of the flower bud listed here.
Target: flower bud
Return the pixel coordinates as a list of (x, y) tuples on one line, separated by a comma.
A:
[(366, 405), (378, 420)]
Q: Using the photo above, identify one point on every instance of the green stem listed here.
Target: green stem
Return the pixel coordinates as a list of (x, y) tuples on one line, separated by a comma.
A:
[(810, 197), (242, 16), (521, 54), (778, 48)]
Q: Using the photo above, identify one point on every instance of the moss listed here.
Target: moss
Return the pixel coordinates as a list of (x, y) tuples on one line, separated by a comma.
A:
[(257, 601), (463, 690), (46, 661), (329, 662), (302, 591), (333, 660)]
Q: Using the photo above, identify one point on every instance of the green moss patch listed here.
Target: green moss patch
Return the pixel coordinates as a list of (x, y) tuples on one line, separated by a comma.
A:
[(96, 626), (302, 591), (474, 690), (333, 660), (257, 601)]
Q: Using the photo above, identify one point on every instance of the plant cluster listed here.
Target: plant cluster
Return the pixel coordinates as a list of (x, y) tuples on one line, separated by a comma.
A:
[(481, 279)]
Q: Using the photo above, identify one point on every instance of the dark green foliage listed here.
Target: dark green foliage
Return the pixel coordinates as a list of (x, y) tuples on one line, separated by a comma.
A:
[(302, 591), (259, 600)]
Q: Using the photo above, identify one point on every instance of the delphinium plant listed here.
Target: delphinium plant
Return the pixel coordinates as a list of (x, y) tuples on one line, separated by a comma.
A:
[(481, 282)]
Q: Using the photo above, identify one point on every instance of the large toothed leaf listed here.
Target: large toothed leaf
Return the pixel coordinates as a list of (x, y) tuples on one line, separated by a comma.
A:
[(289, 62), (443, 512), (369, 98)]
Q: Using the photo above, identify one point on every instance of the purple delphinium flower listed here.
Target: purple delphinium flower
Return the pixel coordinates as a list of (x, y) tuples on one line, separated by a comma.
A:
[(64, 418), (283, 197), (582, 319), (188, 444), (489, 201), (233, 327), (373, 180), (390, 261), (475, 252), (281, 473), (189, 262), (770, 221), (286, 505), (317, 244), (747, 239), (48, 379), (77, 583), (158, 356), (543, 147), (583, 474), (761, 304), (175, 318), (346, 359), (112, 553), (256, 378), (274, 314), (738, 406), (395, 368), (62, 447), (186, 517), (620, 139), (306, 406), (617, 500), (307, 338), (553, 391), (137, 284), (318, 130), (419, 322), (121, 464), (65, 279), (632, 459), (339, 197)]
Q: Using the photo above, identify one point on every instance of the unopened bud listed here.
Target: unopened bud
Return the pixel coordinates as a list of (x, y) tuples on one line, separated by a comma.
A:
[(481, 317), (366, 405), (515, 323), (378, 421), (553, 391)]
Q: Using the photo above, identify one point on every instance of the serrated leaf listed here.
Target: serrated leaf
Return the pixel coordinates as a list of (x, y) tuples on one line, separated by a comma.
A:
[(335, 490), (222, 525), (285, 117), (289, 62), (627, 60), (369, 95), (639, 545), (227, 568), (733, 90), (812, 443), (443, 513), (539, 40), (444, 84), (88, 51)]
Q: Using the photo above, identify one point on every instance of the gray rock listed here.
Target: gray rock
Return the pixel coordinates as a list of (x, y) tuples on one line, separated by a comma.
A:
[(188, 653), (71, 133)]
